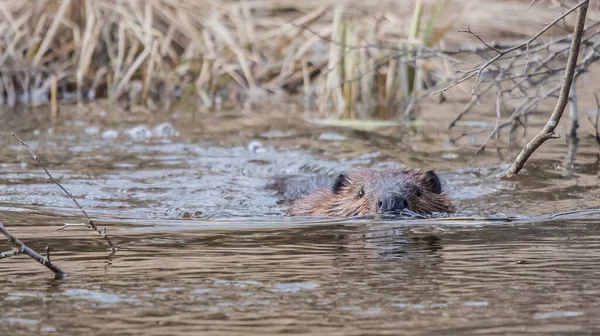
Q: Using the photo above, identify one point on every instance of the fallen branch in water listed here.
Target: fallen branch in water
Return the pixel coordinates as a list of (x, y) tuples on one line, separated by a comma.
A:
[(21, 248), (548, 131), (66, 225), (13, 252), (91, 223)]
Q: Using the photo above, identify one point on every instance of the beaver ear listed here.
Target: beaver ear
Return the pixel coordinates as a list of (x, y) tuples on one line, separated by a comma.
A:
[(340, 181), (433, 182)]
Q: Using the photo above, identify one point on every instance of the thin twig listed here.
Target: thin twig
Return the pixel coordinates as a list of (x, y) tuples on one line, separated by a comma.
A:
[(497, 125), (480, 40), (475, 99), (548, 131), (428, 52), (66, 225), (22, 248), (90, 221)]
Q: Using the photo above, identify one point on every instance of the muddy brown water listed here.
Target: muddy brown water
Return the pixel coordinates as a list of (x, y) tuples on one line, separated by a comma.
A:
[(521, 257)]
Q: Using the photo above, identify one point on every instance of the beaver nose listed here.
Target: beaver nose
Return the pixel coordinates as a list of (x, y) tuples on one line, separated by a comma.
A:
[(391, 203)]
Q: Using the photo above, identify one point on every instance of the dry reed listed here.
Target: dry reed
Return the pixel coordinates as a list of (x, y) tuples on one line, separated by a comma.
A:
[(350, 59)]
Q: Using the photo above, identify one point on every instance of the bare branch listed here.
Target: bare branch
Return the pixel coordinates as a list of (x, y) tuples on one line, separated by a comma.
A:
[(548, 131), (22, 248), (497, 125), (478, 70), (475, 98), (90, 221), (480, 39)]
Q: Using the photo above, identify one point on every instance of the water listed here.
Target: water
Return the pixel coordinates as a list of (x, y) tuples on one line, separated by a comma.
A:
[(205, 247)]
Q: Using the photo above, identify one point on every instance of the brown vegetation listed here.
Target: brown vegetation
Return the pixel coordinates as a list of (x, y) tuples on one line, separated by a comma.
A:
[(349, 58)]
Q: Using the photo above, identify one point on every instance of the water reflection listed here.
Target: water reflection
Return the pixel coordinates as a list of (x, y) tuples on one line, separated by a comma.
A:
[(521, 257), (343, 279)]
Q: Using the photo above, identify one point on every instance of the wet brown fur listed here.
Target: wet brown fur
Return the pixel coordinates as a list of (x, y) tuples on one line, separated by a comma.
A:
[(357, 194)]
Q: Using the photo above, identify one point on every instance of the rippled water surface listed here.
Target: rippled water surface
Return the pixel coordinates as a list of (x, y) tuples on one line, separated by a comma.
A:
[(204, 245)]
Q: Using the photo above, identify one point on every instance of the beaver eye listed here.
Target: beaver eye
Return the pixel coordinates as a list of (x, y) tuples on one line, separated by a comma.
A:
[(361, 193)]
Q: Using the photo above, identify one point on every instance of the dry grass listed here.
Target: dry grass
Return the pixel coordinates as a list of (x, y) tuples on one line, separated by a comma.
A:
[(351, 59)]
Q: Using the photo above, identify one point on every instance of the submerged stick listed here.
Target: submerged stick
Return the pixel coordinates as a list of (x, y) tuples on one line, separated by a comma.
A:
[(563, 98), (13, 252), (22, 248), (89, 220)]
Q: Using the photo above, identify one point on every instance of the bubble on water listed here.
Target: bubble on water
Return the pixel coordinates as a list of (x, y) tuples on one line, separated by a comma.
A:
[(256, 147), (36, 132), (110, 134), (92, 130), (165, 130), (139, 133)]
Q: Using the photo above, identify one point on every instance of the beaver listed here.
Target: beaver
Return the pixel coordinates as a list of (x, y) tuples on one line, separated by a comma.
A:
[(371, 191)]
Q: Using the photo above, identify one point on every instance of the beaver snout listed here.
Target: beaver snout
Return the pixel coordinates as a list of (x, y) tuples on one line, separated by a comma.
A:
[(391, 203)]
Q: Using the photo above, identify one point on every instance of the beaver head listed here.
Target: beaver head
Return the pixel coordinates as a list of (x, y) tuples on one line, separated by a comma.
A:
[(369, 191)]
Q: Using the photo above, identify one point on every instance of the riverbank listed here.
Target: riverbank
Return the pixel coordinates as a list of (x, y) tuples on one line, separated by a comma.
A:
[(338, 59)]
